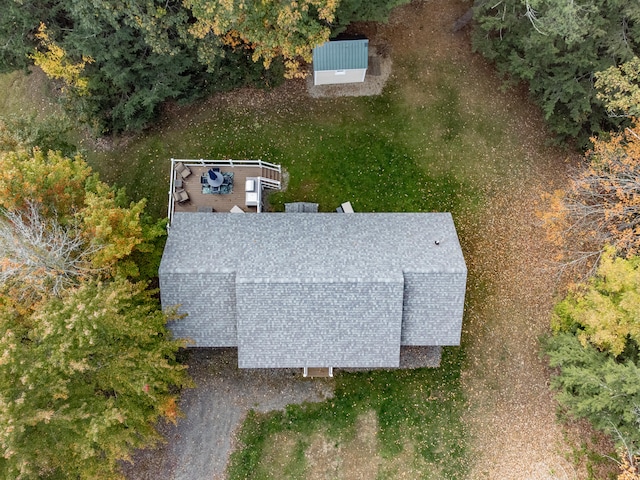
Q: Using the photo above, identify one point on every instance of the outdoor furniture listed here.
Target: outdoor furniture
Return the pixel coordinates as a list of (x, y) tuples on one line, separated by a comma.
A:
[(178, 182), (181, 196), (345, 208), (215, 179), (182, 169), (251, 199), (223, 183), (236, 209), (205, 209), (251, 196), (301, 207)]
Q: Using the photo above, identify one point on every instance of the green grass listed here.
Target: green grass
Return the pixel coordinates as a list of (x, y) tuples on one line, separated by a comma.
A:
[(421, 407), (380, 153), (28, 96), (401, 151), (421, 146)]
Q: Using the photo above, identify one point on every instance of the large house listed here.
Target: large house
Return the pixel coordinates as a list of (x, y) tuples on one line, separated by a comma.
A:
[(315, 290)]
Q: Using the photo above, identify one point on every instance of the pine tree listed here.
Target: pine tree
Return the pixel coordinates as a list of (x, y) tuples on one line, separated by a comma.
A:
[(557, 47)]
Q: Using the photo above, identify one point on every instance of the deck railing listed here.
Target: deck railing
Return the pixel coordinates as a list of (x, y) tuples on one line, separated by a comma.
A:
[(231, 163), (269, 183), (266, 182)]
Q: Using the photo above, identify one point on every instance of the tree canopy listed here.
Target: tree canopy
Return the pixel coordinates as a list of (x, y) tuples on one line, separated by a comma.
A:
[(602, 203), (596, 347), (88, 366), (558, 48), (88, 386), (118, 62), (268, 28), (619, 88)]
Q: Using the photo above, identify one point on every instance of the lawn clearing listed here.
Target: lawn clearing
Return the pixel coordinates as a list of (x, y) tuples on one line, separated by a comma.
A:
[(381, 424), (334, 150), (27, 95), (442, 136)]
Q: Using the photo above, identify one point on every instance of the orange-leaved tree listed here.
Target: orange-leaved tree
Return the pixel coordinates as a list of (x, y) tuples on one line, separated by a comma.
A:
[(59, 224), (601, 204)]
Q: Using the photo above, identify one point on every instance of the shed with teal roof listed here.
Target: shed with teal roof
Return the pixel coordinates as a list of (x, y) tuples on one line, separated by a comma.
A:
[(340, 61)]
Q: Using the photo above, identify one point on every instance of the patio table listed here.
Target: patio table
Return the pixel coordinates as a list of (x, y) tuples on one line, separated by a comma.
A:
[(214, 179)]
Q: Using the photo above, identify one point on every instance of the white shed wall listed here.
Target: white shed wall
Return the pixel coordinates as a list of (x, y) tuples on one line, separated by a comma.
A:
[(331, 77)]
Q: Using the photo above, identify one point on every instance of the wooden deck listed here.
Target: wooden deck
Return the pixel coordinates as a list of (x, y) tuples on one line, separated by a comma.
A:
[(217, 202)]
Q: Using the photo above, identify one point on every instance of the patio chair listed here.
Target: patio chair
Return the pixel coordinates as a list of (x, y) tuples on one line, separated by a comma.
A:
[(182, 169), (181, 196)]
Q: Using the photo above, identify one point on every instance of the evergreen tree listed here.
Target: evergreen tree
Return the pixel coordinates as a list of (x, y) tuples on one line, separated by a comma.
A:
[(595, 385), (596, 348), (558, 47), (87, 365)]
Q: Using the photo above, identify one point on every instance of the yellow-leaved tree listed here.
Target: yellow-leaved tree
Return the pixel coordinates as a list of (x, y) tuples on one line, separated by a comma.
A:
[(55, 62), (268, 28)]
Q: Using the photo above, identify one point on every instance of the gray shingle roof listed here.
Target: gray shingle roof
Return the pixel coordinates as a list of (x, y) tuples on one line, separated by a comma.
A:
[(301, 207), (315, 290), (341, 55)]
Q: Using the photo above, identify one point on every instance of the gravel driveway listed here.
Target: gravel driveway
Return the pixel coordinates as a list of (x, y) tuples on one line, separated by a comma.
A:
[(199, 446)]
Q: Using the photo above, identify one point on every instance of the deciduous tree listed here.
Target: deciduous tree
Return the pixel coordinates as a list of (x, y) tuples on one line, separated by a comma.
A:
[(605, 312), (116, 234), (602, 202), (619, 88), (39, 257), (50, 179), (269, 28), (596, 347), (87, 384)]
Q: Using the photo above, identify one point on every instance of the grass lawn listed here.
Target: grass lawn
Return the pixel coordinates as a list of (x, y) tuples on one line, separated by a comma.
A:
[(415, 417), (387, 153), (440, 138), (371, 151), (383, 154)]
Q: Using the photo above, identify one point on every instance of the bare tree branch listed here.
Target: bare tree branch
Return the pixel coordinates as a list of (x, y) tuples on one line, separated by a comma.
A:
[(38, 255)]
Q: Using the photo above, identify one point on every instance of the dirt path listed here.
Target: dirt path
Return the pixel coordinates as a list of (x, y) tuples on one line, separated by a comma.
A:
[(512, 412), (511, 416)]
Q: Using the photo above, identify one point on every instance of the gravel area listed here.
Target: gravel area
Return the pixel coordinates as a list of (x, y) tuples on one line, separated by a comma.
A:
[(198, 447)]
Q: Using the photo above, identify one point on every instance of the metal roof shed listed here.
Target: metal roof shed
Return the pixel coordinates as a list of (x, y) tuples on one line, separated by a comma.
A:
[(342, 61)]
